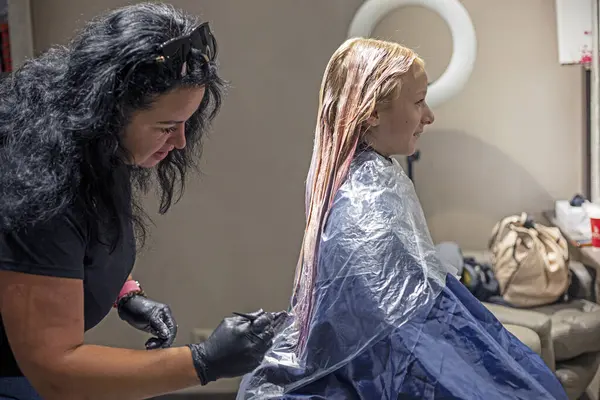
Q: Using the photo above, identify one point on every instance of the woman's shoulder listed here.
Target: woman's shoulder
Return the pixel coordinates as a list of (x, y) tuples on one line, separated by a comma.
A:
[(34, 192), (69, 220), (54, 246)]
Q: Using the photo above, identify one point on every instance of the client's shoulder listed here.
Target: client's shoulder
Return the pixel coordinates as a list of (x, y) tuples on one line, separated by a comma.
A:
[(373, 175)]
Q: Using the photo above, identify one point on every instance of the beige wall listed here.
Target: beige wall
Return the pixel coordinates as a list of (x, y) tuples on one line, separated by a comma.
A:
[(511, 141)]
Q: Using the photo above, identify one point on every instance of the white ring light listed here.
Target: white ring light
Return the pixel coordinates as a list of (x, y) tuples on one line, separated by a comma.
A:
[(464, 42)]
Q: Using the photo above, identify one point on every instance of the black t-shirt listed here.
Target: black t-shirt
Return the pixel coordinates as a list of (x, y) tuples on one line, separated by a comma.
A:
[(63, 247)]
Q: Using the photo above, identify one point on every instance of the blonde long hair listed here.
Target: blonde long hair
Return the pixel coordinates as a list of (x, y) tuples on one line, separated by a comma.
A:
[(361, 75)]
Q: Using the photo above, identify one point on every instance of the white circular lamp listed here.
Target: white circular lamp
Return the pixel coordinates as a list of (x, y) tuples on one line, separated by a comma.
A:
[(464, 41)]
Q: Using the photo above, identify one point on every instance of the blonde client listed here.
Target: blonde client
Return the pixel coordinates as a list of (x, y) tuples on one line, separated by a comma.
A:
[(375, 315)]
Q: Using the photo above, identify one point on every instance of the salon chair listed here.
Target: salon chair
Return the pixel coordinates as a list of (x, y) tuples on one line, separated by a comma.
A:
[(565, 335)]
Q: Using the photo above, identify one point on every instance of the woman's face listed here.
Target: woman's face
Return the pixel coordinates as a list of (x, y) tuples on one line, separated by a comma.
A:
[(397, 125), (152, 133)]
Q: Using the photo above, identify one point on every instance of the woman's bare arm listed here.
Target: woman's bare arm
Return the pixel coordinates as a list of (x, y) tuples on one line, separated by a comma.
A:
[(43, 318)]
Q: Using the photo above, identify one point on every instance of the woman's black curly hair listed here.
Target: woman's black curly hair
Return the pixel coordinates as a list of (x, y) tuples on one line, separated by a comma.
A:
[(63, 114)]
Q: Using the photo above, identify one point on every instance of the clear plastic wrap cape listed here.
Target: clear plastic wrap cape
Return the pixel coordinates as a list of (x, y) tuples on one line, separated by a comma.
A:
[(389, 322)]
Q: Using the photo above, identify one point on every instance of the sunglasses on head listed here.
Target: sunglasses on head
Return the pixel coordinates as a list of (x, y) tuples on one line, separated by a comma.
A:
[(174, 53)]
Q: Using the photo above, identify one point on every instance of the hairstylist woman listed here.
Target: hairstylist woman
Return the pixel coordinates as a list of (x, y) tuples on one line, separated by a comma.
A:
[(81, 128)]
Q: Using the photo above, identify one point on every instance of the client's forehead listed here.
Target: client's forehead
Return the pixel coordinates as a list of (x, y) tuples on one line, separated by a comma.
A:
[(415, 80)]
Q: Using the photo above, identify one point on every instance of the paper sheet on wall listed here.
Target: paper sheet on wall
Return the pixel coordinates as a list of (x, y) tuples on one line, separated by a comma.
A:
[(574, 28)]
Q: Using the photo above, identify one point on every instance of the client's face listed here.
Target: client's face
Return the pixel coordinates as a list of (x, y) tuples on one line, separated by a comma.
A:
[(399, 124), (152, 133)]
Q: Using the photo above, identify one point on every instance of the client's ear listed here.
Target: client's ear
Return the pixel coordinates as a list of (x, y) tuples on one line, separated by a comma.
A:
[(373, 120)]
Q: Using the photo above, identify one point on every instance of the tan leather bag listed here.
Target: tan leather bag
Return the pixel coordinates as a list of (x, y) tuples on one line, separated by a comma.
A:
[(530, 261)]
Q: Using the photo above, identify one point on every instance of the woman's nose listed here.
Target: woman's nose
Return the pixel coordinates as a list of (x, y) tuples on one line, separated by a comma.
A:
[(177, 139)]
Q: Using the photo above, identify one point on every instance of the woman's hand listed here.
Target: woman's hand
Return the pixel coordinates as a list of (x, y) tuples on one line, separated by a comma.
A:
[(236, 347), (149, 316)]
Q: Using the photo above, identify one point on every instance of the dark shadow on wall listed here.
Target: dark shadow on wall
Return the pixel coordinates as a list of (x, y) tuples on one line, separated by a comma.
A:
[(461, 175)]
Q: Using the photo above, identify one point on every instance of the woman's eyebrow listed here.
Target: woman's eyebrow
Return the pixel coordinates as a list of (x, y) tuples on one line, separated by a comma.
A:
[(170, 122)]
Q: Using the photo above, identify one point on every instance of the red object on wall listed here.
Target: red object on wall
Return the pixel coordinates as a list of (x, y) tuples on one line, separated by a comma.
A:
[(5, 48)]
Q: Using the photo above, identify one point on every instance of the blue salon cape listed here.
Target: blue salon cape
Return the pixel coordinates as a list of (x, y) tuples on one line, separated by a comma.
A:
[(388, 321)]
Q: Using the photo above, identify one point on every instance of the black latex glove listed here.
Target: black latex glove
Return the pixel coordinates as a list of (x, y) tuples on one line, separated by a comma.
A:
[(236, 347), (151, 317)]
